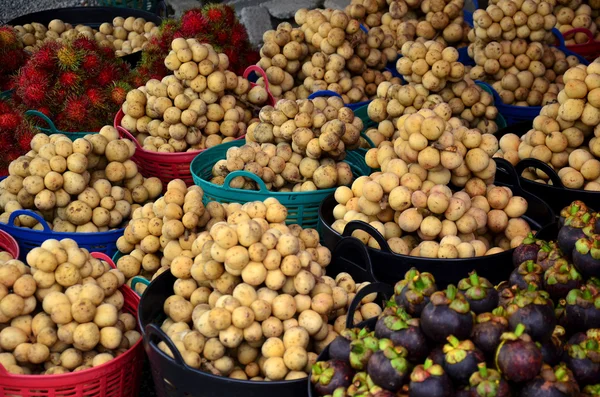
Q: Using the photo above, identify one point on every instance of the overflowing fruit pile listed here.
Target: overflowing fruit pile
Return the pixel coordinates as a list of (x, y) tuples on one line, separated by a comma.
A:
[(87, 185), (122, 35), (540, 330), (62, 312), (12, 56), (15, 135)]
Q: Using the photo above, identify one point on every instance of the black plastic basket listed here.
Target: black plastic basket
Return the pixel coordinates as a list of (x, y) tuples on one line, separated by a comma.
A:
[(89, 16), (390, 267), (173, 378)]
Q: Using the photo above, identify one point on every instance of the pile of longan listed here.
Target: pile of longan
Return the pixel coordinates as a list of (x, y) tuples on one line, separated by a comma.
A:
[(439, 146), (430, 64), (566, 134), (256, 303), (200, 106), (87, 185), (431, 221), (124, 35), (79, 321), (160, 231), (575, 14)]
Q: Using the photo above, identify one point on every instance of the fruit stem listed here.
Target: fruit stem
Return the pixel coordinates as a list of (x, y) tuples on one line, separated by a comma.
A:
[(453, 340), (451, 292), (531, 287), (574, 209), (586, 217), (530, 265), (474, 279), (418, 282), (483, 370), (428, 363), (560, 374), (519, 330)]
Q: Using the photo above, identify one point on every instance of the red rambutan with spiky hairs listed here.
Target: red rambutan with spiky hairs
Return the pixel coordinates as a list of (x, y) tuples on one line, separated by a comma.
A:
[(84, 43), (192, 23), (96, 97), (69, 80), (214, 14), (9, 121), (107, 75), (15, 134), (229, 15), (76, 109), (45, 57), (91, 62), (238, 35), (222, 37)]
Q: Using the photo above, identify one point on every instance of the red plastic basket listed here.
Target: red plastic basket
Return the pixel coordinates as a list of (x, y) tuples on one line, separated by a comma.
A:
[(119, 377), (589, 50), (8, 244), (169, 166)]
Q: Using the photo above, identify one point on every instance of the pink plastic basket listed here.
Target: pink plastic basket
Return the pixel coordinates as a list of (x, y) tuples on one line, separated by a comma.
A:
[(119, 377), (589, 50), (8, 244), (169, 166)]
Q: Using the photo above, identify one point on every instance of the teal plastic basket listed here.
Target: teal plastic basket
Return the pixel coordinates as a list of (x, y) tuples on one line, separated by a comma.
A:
[(51, 129), (6, 94), (303, 207)]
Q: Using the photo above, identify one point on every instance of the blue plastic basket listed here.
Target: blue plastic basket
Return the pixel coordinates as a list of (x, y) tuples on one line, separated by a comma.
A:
[(52, 128), (303, 207), (105, 242)]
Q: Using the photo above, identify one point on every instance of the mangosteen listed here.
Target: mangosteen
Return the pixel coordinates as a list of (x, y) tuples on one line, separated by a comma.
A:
[(389, 368), (488, 329), (576, 208), (528, 250), (561, 278), (461, 359), (526, 273), (552, 382), (591, 391), (549, 254), (414, 291), (552, 349), (463, 392), (339, 392), (534, 309), (574, 228), (582, 307), (586, 256), (437, 355), (430, 380), (488, 383), (362, 349), (361, 384), (518, 358), (327, 376), (583, 358), (447, 313), (339, 348), (406, 331), (480, 293)]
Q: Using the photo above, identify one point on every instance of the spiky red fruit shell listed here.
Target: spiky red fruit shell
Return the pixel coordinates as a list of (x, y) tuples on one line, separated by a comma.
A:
[(76, 109), (68, 79), (229, 15), (96, 97), (5, 107), (214, 15), (107, 75), (238, 35), (9, 121), (90, 63), (118, 95), (222, 37), (44, 57), (8, 36), (85, 43), (192, 23)]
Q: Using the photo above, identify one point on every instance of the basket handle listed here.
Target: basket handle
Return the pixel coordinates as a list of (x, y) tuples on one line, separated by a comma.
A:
[(348, 243), (507, 167), (36, 216), (535, 163), (138, 280), (368, 140), (352, 226), (152, 330), (126, 134), (261, 184), (364, 28), (323, 93), (380, 288), (497, 99), (102, 256), (43, 117), (580, 30), (559, 37), (259, 70)]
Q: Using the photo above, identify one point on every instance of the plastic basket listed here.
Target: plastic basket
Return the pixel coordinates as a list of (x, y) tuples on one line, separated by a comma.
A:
[(169, 166), (6, 94), (8, 244), (360, 109), (119, 377), (104, 242), (51, 129), (303, 207), (590, 50)]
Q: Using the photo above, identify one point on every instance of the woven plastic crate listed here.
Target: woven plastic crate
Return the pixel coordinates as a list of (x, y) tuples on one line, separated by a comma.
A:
[(51, 129), (8, 244), (104, 242), (303, 207), (119, 377)]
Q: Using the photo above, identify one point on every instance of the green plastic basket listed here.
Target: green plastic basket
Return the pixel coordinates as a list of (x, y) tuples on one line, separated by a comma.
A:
[(52, 128), (6, 94), (303, 207)]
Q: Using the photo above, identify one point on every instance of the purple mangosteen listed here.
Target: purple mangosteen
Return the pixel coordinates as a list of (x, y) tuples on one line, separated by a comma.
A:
[(480, 293)]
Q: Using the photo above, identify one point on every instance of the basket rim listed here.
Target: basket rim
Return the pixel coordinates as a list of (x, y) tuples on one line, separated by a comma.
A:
[(14, 250), (130, 297)]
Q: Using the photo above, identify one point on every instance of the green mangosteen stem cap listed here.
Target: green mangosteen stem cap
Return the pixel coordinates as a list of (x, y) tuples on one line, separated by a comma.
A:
[(483, 370), (451, 292), (428, 363), (529, 239), (561, 374), (474, 278), (400, 365), (453, 340), (519, 330)]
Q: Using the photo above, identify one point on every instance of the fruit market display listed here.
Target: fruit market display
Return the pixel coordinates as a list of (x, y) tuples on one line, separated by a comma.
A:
[(77, 84), (255, 302), (122, 35), (573, 15), (329, 51), (200, 106), (564, 135), (161, 231), (536, 335), (87, 185), (15, 135), (62, 311), (510, 48), (12, 56), (294, 147)]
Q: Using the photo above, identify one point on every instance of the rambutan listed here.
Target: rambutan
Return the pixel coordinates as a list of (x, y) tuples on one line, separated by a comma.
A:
[(68, 79), (222, 37), (8, 36), (192, 23), (5, 107), (96, 97), (107, 75), (45, 57), (9, 121), (90, 63), (76, 109), (84, 43), (214, 14), (238, 34), (118, 93), (229, 15), (33, 94), (67, 58)]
